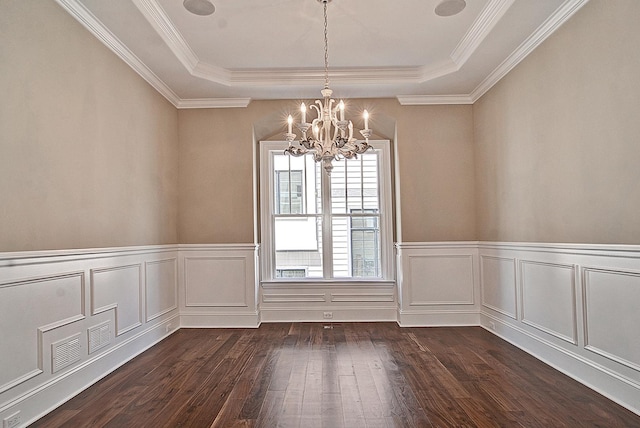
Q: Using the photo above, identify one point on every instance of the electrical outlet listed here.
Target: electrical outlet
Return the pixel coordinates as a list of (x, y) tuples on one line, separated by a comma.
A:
[(492, 325), (167, 328), (327, 315), (12, 421)]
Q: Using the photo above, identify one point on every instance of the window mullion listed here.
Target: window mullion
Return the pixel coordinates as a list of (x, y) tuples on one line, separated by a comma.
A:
[(327, 227)]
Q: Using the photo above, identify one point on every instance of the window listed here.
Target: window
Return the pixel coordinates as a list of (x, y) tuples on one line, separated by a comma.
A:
[(323, 227)]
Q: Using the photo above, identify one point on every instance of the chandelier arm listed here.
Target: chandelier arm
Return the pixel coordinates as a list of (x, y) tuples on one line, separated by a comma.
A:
[(313, 106)]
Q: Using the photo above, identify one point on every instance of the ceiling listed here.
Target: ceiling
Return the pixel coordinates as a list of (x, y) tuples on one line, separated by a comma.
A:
[(257, 49)]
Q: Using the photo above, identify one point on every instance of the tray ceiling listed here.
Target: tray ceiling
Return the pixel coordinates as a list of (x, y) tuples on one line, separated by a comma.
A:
[(250, 49)]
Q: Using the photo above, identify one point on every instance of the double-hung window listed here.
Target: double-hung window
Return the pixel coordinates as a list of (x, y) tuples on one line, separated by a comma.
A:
[(316, 226)]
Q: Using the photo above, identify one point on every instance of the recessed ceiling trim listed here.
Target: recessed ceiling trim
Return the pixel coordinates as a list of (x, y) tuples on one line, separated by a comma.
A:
[(309, 77), (482, 26), (299, 77), (214, 103), (211, 72), (157, 17), (419, 100), (95, 27), (564, 12)]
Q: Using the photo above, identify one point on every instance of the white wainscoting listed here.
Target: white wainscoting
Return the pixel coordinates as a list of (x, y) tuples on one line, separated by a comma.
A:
[(218, 285), (55, 304), (438, 283), (576, 307)]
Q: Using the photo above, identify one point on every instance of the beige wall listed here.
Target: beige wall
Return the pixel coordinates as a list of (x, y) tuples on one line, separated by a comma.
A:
[(435, 151), (88, 150), (558, 140)]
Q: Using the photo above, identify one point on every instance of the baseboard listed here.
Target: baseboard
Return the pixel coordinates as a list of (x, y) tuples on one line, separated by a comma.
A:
[(219, 320), (616, 387), (438, 318), (44, 398)]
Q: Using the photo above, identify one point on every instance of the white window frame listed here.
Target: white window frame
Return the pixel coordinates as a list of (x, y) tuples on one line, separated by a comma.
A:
[(267, 253)]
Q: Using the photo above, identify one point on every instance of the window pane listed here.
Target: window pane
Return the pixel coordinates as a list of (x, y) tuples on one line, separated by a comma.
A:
[(341, 259), (365, 244), (356, 247), (354, 184), (289, 192), (298, 246)]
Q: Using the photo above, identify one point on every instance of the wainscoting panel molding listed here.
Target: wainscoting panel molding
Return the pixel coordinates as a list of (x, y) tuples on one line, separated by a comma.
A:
[(53, 303), (161, 294), (32, 307), (556, 316), (119, 289), (498, 284), (576, 309), (603, 290), (438, 283), (218, 285)]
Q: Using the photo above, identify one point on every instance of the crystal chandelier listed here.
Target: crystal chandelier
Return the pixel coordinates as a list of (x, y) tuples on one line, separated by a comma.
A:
[(331, 136)]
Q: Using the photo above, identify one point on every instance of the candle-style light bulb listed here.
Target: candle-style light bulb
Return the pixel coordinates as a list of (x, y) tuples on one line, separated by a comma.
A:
[(290, 122), (316, 131), (303, 110), (366, 119), (341, 107)]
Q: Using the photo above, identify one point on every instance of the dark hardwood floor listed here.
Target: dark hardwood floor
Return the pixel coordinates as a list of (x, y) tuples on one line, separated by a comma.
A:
[(337, 375)]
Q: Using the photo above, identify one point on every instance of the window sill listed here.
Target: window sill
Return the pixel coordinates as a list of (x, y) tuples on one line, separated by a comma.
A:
[(338, 283)]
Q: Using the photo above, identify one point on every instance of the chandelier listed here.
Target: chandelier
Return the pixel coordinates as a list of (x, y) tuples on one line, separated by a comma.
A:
[(331, 136)]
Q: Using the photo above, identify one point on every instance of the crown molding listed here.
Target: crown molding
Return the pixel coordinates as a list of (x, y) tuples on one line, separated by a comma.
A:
[(95, 27), (425, 100), (562, 15), (213, 103), (482, 26)]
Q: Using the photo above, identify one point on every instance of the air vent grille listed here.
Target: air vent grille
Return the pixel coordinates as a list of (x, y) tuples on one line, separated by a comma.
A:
[(99, 336), (65, 352)]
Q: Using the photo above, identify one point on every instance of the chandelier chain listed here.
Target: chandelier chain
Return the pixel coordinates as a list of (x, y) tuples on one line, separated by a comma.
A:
[(331, 135), (326, 50)]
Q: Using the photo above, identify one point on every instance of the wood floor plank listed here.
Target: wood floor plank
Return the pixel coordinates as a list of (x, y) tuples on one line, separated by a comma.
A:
[(347, 375)]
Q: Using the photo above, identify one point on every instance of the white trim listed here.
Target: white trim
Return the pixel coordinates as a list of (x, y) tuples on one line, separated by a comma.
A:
[(613, 250), (217, 247)]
